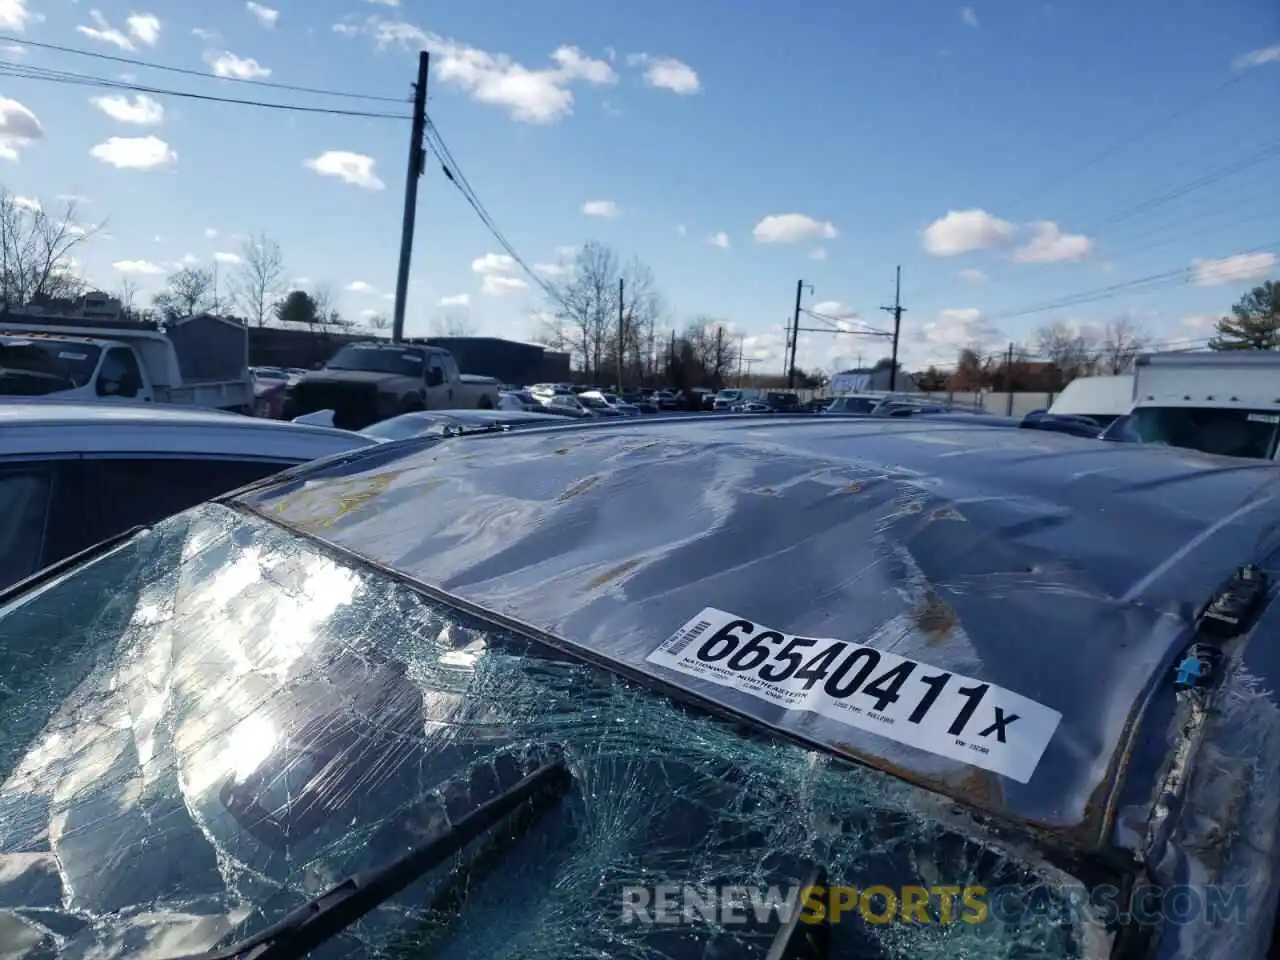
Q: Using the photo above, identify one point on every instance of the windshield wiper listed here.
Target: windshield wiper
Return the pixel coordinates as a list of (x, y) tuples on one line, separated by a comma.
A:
[(339, 907)]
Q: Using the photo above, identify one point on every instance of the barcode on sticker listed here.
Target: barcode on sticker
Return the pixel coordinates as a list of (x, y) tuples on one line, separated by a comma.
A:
[(682, 641)]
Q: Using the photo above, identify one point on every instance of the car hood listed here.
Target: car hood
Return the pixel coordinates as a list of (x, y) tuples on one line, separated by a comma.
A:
[(355, 376), (1066, 573)]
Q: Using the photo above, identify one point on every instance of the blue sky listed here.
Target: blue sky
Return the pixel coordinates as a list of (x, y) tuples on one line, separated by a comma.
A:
[(1007, 154)]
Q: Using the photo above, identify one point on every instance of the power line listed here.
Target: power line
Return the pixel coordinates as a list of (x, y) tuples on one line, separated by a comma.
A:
[(453, 172), (25, 72), (186, 71)]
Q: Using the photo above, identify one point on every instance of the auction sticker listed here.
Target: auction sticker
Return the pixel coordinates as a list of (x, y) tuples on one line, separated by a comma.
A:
[(944, 713)]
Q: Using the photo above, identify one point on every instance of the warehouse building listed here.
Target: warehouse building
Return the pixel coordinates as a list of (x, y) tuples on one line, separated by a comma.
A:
[(505, 360)]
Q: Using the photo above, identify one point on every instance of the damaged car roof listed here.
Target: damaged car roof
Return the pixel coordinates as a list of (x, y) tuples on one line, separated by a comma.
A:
[(1034, 586)]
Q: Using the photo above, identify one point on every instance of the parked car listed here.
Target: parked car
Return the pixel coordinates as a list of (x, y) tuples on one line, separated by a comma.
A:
[(449, 422), (565, 405), (505, 685), (74, 473), (641, 400), (367, 382), (614, 402), (518, 400)]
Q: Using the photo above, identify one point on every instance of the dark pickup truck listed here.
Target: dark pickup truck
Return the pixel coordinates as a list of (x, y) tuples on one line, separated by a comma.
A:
[(365, 383)]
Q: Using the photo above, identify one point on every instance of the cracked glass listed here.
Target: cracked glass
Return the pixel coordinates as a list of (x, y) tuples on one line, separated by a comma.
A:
[(219, 720)]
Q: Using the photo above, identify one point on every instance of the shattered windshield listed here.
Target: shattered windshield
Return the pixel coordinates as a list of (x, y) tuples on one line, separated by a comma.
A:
[(214, 723)]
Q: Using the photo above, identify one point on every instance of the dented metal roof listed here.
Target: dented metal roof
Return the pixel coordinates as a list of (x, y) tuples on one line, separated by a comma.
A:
[(1047, 578)]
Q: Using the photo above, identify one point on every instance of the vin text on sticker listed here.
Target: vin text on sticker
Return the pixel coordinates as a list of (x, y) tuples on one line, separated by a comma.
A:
[(913, 703)]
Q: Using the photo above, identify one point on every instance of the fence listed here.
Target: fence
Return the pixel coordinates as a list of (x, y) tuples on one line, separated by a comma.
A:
[(1001, 404)]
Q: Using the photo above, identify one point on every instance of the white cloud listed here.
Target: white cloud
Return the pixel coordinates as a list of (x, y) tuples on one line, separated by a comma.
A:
[(28, 203), (493, 263), (208, 36), (972, 276), (682, 230), (352, 168), (530, 95), (964, 231), (600, 208), (968, 17), (720, 240), (1258, 58), (210, 232), (835, 310), (499, 286), (137, 267), (359, 286), (141, 110), (457, 300), (265, 15), (1239, 268), (793, 228), (566, 251), (1051, 245), (228, 259), (552, 269), (15, 16), (818, 253), (145, 27), (105, 32), (939, 341), (384, 3), (667, 73), (224, 63), (135, 153), (18, 127)]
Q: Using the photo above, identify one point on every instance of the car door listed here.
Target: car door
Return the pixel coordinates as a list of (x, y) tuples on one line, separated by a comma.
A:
[(439, 386), (39, 514), (123, 491)]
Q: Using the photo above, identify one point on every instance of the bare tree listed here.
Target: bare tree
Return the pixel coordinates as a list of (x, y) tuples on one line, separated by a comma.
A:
[(714, 349), (259, 280), (128, 294), (452, 321), (36, 261), (1072, 351), (585, 319), (1122, 341), (379, 321), (187, 291)]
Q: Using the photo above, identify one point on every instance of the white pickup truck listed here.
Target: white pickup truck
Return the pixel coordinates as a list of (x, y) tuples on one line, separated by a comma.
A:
[(198, 362), (1226, 403)]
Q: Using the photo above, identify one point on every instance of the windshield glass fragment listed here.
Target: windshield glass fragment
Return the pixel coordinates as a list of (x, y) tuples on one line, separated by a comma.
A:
[(214, 723)]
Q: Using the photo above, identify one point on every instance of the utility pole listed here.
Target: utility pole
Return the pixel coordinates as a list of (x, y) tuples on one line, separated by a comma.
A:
[(621, 341), (417, 164), (1008, 382), (897, 310), (215, 287), (795, 334), (742, 339), (719, 371)]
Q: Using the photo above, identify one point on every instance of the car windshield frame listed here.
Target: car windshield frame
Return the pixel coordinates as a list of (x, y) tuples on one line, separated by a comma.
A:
[(1192, 427), (46, 357), (217, 538)]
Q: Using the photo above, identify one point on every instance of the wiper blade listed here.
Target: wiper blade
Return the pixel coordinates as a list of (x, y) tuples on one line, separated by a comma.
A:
[(339, 907)]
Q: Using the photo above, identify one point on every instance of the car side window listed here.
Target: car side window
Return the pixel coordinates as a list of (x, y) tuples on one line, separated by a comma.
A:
[(435, 370), (26, 491), (450, 366), (119, 375), (120, 493)]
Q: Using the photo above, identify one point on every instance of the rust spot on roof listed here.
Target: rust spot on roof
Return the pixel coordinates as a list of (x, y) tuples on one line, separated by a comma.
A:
[(613, 573), (581, 486), (935, 617)]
